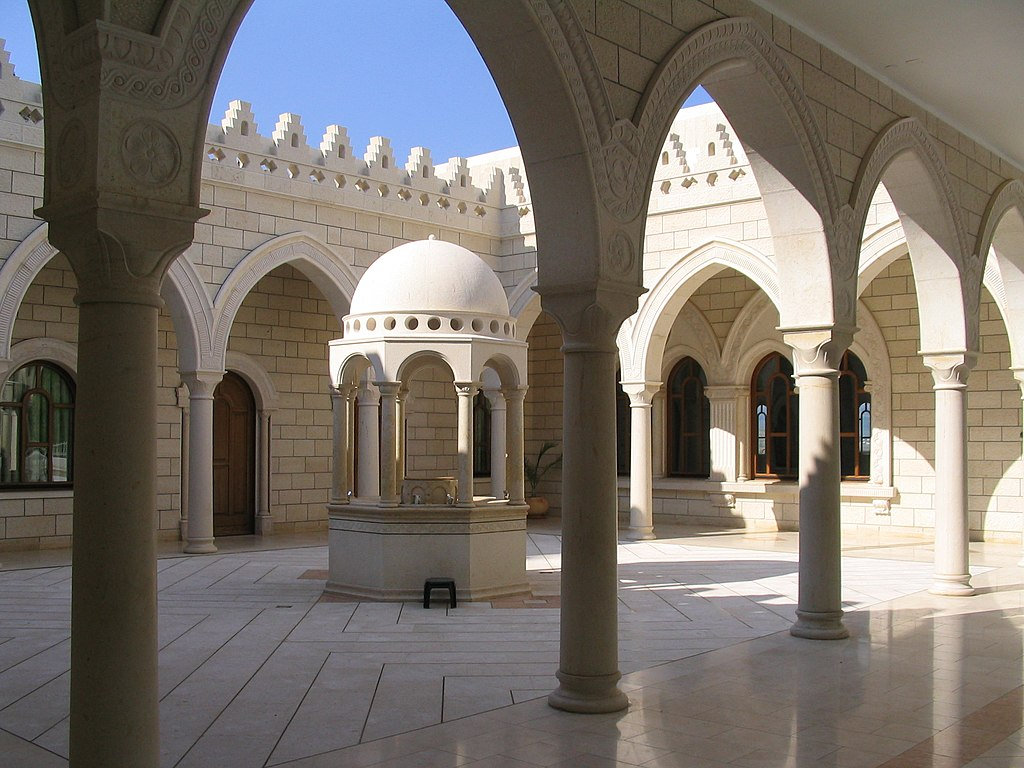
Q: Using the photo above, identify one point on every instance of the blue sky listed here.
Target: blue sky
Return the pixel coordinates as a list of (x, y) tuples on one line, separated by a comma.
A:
[(405, 69)]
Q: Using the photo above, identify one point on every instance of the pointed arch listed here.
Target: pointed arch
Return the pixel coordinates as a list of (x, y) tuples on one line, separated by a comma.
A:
[(749, 79), (16, 276), (905, 159), (1001, 247), (524, 305), (651, 326), (325, 269), (192, 314)]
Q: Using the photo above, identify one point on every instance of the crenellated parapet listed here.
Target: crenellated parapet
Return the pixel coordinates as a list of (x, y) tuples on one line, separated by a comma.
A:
[(21, 105)]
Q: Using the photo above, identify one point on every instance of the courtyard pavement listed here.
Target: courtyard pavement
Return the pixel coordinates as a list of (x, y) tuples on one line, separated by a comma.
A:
[(258, 668)]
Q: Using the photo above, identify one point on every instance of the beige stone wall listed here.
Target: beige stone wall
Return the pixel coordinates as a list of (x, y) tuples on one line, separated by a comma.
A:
[(542, 410), (49, 310), (432, 424), (284, 325), (21, 192)]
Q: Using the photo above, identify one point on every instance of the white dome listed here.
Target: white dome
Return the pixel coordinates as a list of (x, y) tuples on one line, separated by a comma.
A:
[(429, 276)]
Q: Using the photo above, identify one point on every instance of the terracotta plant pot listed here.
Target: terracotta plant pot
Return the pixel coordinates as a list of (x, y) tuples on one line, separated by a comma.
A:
[(538, 506)]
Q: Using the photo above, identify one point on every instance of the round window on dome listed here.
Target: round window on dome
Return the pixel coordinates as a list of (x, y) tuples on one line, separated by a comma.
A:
[(389, 323), (434, 323), (371, 324), (507, 328), (456, 324), (355, 326), (412, 323), (478, 325), (494, 326)]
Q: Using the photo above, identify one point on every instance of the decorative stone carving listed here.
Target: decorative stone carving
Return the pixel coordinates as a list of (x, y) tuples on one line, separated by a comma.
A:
[(150, 153), (950, 369), (71, 153), (818, 351)]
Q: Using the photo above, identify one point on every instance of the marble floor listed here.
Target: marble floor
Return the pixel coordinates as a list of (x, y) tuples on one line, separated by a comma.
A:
[(257, 668)]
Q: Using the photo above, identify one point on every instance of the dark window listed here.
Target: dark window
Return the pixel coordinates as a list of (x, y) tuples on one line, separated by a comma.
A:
[(688, 421), (481, 436), (854, 418), (775, 425), (37, 414), (623, 430)]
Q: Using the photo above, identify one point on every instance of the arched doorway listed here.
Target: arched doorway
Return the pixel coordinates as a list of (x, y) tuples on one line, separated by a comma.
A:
[(234, 458)]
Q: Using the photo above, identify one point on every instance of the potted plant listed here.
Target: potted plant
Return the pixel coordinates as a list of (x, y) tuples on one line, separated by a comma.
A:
[(534, 471)]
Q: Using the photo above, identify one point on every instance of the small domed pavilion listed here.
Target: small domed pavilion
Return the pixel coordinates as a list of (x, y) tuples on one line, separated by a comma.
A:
[(426, 303)]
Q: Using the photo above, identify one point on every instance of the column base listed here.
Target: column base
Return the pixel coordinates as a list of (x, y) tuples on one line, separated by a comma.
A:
[(200, 547), (641, 533), (827, 625), (183, 530), (952, 586), (588, 695), (265, 525)]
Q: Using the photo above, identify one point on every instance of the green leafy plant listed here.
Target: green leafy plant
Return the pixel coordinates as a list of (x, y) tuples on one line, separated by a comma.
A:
[(535, 469)]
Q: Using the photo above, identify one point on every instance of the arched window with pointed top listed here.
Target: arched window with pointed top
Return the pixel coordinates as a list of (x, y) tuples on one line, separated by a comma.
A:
[(775, 423), (37, 413), (688, 422), (854, 419)]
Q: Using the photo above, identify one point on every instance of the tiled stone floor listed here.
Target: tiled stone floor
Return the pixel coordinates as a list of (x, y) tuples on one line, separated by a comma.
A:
[(256, 669)]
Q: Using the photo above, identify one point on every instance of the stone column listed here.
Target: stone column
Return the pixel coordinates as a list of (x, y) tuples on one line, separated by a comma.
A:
[(201, 386), (641, 484), (368, 409), (658, 434), (817, 355), (340, 445), (466, 391), (514, 439), (743, 470), (498, 439), (588, 670), (119, 257), (724, 431), (388, 441), (181, 393), (264, 520), (952, 555), (403, 395)]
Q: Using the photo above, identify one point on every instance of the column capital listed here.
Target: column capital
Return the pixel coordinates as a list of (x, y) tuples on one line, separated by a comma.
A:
[(343, 391), (201, 384), (589, 317), (466, 388), (818, 351), (950, 369), (514, 393), (495, 396), (1018, 374), (641, 393), (388, 388), (726, 391)]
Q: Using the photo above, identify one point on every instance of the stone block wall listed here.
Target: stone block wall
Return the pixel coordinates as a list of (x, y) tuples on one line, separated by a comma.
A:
[(542, 410)]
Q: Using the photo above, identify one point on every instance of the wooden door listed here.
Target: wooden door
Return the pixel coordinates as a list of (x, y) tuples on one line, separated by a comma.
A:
[(234, 458)]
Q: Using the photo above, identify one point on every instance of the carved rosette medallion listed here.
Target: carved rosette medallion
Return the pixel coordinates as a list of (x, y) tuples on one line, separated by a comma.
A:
[(620, 254), (71, 153), (150, 153)]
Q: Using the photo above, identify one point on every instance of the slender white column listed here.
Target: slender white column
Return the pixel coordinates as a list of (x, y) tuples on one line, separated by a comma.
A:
[(817, 354), (368, 408), (1018, 373), (514, 439), (658, 433), (339, 464), (400, 403), (588, 669), (466, 391), (388, 441), (201, 386), (182, 395), (498, 439), (724, 431), (264, 520), (952, 555), (641, 483), (743, 472)]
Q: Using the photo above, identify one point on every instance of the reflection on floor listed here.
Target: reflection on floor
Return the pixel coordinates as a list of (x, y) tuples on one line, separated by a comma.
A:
[(257, 669)]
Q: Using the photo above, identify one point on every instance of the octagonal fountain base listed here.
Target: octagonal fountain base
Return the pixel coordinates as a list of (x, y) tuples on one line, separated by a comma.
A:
[(386, 553)]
